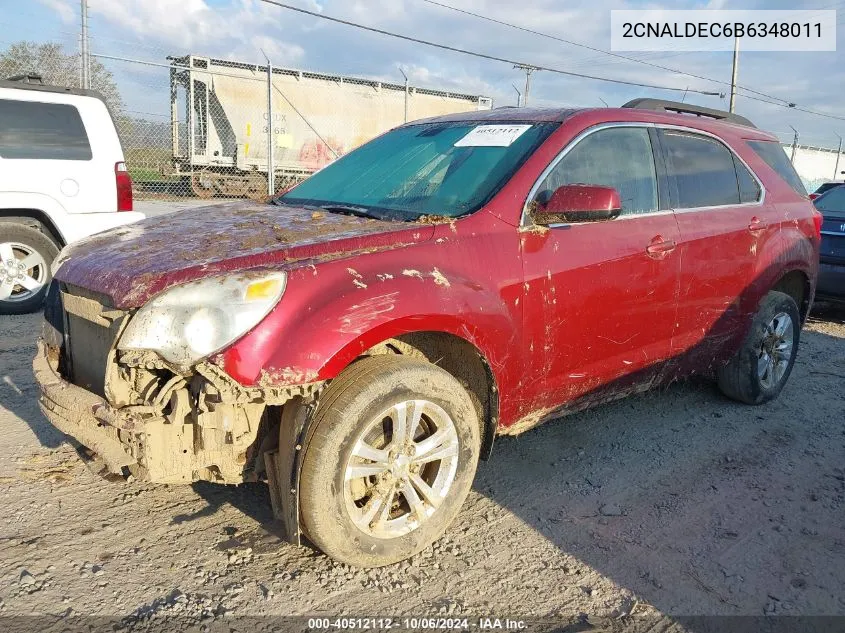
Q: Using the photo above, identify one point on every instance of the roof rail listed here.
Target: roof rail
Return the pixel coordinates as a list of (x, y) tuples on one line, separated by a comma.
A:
[(27, 78), (660, 105)]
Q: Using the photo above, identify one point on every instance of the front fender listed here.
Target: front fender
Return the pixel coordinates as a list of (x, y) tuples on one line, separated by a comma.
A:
[(332, 312)]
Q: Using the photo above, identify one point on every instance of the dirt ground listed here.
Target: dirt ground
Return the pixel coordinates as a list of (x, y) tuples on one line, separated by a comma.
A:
[(676, 503)]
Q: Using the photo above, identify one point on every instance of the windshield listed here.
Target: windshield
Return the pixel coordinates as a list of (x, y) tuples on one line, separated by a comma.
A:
[(442, 169)]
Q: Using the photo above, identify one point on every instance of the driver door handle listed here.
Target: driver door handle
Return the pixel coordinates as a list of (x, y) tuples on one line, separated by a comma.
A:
[(755, 224), (659, 247)]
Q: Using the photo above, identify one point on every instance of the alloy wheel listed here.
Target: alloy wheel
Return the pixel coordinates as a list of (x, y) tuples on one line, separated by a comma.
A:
[(401, 469), (23, 271), (776, 350)]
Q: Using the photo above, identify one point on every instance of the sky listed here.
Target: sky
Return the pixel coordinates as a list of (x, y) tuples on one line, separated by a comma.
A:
[(244, 30)]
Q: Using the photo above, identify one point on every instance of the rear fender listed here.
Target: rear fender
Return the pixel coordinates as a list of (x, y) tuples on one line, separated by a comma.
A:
[(793, 247), (37, 208)]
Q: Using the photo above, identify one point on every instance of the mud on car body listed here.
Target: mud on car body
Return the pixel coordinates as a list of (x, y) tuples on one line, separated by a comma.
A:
[(359, 342)]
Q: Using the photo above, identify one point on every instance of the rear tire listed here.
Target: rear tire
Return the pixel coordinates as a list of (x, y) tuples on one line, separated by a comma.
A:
[(25, 258), (759, 370), (399, 496)]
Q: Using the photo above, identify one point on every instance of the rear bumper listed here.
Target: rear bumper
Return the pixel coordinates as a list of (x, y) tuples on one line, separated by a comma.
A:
[(831, 282), (78, 413)]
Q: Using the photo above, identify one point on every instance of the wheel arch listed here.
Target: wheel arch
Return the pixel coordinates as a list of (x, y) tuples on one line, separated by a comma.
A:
[(464, 361), (291, 424), (796, 284), (37, 219)]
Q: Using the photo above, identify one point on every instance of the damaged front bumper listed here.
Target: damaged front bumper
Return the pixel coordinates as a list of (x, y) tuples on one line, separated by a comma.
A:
[(74, 411), (201, 426)]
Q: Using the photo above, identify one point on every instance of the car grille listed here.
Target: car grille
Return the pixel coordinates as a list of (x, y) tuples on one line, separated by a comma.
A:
[(90, 327)]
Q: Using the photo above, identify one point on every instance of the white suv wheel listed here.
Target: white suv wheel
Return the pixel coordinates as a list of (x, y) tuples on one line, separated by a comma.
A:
[(23, 271), (25, 257)]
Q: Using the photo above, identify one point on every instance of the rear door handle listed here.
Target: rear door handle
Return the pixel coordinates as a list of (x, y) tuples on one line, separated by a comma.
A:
[(658, 247), (755, 224)]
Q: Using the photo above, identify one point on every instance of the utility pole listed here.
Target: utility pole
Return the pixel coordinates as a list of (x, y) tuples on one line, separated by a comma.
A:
[(794, 144), (406, 92), (734, 73), (528, 70), (271, 168), (518, 96), (85, 57), (838, 153)]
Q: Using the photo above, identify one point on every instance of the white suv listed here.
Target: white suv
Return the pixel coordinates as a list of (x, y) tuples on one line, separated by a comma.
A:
[(62, 178)]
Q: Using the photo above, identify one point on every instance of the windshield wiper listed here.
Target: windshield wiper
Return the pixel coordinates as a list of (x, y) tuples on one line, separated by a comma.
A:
[(345, 209), (348, 209)]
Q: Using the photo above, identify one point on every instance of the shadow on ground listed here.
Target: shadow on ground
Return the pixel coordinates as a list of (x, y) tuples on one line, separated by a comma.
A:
[(18, 391), (692, 502), (828, 312)]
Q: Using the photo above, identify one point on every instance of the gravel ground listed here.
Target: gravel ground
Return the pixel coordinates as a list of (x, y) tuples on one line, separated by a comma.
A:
[(675, 503)]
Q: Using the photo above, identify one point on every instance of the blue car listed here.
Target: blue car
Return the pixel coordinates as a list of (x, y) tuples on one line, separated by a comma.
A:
[(831, 283)]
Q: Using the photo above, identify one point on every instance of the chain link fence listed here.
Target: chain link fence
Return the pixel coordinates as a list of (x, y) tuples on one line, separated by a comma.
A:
[(236, 129), (198, 127)]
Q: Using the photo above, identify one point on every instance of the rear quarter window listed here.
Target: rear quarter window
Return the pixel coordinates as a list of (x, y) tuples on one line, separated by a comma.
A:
[(35, 130), (749, 189), (774, 156)]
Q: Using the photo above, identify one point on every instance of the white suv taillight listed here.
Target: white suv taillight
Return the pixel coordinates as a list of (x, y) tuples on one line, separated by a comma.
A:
[(124, 187)]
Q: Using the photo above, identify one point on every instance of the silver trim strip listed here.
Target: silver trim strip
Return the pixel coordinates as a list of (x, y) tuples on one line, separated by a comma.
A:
[(527, 222)]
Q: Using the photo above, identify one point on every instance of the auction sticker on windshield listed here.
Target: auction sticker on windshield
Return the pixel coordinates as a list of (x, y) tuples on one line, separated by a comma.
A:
[(492, 136)]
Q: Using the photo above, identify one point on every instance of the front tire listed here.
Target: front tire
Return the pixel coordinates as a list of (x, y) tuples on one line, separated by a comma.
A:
[(759, 370), (25, 258), (389, 460)]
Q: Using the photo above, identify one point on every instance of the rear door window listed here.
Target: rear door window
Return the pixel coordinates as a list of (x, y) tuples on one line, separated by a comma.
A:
[(832, 203), (703, 171), (619, 157), (774, 156), (35, 130)]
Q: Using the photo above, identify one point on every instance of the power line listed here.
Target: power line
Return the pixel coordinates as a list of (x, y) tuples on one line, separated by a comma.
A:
[(793, 106), (477, 54), (774, 103), (594, 48), (770, 99)]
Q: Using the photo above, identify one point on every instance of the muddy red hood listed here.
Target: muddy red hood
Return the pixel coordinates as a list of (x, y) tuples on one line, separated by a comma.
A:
[(132, 263)]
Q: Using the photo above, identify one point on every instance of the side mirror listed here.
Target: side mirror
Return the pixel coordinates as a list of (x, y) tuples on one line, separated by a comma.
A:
[(578, 203)]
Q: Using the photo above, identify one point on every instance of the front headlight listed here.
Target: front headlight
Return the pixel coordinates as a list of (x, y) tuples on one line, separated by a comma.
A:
[(189, 322)]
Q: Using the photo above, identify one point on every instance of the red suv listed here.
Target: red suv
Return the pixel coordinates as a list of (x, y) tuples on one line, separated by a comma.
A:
[(359, 341)]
